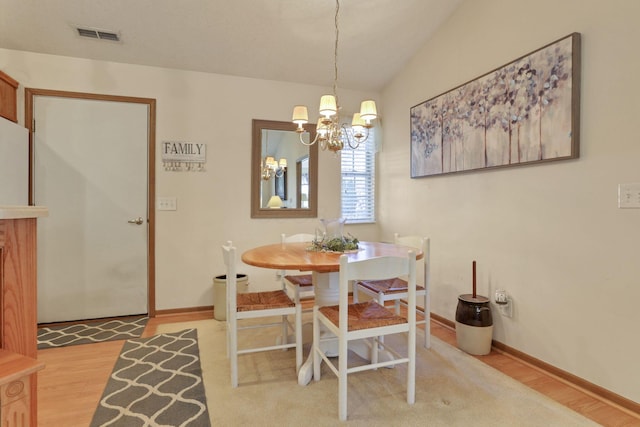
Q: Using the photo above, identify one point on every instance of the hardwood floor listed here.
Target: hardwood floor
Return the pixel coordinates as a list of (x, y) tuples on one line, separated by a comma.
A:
[(599, 410), (72, 382)]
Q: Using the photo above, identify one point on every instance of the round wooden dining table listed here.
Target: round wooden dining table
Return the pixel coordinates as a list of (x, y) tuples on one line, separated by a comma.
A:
[(297, 256), (325, 267)]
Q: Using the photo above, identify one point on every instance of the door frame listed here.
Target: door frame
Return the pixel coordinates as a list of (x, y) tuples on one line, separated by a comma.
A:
[(30, 93)]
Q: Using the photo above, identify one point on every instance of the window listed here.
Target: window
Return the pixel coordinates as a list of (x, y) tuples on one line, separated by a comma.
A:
[(358, 181)]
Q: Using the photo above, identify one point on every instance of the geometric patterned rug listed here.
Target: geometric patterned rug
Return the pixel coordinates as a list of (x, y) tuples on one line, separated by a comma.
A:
[(90, 332), (156, 381)]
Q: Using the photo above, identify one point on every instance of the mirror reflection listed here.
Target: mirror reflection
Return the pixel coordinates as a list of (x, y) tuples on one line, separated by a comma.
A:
[(284, 173), (281, 165)]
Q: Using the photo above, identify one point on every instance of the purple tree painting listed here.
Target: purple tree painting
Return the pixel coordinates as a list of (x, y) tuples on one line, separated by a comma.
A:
[(523, 112)]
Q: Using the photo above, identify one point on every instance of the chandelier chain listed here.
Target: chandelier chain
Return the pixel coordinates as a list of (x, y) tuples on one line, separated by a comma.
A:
[(335, 54)]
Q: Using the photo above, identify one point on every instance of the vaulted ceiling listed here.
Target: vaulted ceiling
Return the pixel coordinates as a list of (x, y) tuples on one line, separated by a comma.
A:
[(287, 40)]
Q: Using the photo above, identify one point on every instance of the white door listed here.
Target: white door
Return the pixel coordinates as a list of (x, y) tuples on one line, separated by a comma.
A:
[(90, 170)]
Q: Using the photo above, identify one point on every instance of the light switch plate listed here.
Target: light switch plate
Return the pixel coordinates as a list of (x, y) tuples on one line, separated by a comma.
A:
[(167, 204), (629, 195)]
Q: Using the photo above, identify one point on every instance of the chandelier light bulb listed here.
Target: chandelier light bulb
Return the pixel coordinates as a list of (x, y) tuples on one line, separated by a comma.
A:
[(322, 128), (300, 117), (358, 127), (328, 105), (368, 111), (357, 120)]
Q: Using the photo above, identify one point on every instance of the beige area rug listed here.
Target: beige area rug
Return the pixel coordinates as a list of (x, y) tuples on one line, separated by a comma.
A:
[(452, 389)]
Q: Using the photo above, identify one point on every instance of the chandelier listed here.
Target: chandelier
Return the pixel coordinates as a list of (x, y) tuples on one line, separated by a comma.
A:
[(331, 134), (271, 167)]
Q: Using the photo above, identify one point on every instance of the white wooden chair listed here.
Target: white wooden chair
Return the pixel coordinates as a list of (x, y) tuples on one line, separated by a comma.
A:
[(298, 283), (395, 289), (253, 305), (368, 320)]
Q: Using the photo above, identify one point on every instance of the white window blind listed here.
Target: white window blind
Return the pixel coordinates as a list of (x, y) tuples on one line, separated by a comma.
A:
[(358, 181)]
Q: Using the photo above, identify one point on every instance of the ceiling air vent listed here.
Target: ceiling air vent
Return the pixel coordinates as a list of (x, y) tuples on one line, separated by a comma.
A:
[(94, 33)]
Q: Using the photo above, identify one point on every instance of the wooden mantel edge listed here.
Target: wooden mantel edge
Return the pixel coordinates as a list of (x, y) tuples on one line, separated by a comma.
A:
[(14, 366)]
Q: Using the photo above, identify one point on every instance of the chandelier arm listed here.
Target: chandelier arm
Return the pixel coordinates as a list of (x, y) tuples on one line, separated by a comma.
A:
[(349, 136), (266, 174), (308, 143), (353, 147)]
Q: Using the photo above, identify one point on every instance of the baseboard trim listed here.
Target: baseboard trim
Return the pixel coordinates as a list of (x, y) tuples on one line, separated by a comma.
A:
[(186, 310), (445, 322), (596, 390)]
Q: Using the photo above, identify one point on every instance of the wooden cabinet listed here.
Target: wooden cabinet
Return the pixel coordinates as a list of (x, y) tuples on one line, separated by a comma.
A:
[(8, 97), (18, 326), (17, 398)]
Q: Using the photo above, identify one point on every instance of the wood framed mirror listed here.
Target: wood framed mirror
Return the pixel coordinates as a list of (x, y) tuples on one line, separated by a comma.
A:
[(284, 172)]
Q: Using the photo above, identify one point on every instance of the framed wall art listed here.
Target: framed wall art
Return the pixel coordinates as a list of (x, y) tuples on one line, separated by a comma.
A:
[(521, 113)]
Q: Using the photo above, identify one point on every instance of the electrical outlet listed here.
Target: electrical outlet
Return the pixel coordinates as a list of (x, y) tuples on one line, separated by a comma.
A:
[(629, 195), (167, 204), (501, 296), (504, 303)]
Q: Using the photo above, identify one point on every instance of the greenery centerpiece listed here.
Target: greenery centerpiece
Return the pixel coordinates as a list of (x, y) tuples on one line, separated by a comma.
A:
[(332, 239), (335, 244)]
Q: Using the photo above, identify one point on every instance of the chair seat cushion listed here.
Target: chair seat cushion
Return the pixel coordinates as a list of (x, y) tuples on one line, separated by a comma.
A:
[(387, 286), (303, 280), (263, 300), (363, 315)]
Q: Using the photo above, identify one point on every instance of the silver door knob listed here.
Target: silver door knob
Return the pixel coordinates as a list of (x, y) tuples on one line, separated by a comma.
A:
[(138, 221)]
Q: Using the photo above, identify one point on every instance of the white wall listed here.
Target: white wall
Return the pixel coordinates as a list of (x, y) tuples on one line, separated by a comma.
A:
[(14, 163), (213, 206), (550, 234)]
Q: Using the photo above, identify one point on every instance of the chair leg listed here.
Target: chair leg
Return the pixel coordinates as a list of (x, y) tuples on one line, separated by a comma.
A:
[(298, 337), (285, 331), (375, 347), (381, 338), (411, 368), (228, 340), (342, 377), (317, 360), (427, 321), (233, 351)]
